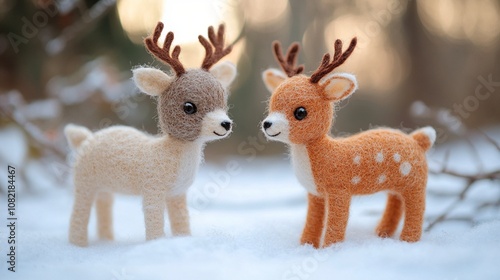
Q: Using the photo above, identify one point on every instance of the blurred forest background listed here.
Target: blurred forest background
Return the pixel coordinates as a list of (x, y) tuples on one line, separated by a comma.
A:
[(417, 62)]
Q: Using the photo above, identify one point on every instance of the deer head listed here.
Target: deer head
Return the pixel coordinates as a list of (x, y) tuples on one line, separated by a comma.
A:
[(301, 107), (192, 103)]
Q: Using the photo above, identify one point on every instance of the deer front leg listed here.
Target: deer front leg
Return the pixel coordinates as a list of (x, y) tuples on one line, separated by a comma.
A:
[(154, 208), (178, 215), (314, 221), (337, 207)]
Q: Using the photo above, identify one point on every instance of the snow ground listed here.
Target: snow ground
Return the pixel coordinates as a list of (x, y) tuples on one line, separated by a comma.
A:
[(246, 220)]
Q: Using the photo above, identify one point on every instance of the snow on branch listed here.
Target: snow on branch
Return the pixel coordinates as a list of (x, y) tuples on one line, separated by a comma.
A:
[(13, 106), (450, 124)]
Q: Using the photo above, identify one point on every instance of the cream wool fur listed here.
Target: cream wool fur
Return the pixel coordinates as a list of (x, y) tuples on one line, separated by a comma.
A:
[(192, 109), (122, 159)]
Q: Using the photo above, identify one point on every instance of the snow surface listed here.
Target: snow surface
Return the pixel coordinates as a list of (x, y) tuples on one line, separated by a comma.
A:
[(246, 218)]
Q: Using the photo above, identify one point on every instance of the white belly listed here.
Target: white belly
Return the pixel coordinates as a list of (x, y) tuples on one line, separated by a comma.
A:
[(302, 167)]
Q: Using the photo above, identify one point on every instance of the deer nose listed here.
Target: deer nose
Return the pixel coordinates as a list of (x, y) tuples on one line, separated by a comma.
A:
[(267, 125), (226, 125)]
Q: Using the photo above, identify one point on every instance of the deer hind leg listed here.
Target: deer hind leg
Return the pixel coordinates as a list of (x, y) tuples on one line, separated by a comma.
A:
[(414, 205), (104, 209), (178, 215), (337, 216), (314, 221), (392, 215), (154, 209), (79, 222)]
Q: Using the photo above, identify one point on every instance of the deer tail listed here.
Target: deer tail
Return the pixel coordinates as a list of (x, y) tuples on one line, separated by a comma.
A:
[(76, 135), (425, 137)]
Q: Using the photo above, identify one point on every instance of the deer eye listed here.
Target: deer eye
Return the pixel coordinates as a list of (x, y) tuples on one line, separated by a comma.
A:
[(189, 108), (300, 113)]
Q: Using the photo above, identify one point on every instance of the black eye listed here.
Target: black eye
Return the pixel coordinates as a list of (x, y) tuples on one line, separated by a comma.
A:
[(300, 113), (189, 108)]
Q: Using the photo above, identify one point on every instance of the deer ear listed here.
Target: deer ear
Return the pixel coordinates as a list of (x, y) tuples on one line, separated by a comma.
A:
[(339, 86), (224, 72), (151, 81), (273, 78)]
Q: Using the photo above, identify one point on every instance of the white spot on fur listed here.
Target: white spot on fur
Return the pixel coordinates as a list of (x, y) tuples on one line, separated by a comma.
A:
[(381, 178), (379, 157), (397, 157), (405, 168), (357, 159), (355, 180)]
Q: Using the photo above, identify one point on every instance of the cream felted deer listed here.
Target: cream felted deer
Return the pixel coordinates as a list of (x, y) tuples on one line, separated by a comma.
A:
[(192, 107), (334, 169)]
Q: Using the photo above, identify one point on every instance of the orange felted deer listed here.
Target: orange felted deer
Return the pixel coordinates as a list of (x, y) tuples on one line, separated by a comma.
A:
[(334, 169)]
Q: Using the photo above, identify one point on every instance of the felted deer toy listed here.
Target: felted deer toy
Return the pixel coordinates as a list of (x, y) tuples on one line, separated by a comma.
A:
[(334, 169), (192, 110)]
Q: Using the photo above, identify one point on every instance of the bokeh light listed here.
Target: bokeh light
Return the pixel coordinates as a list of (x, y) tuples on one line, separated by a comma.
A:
[(476, 21), (138, 21), (377, 64), (139, 17), (262, 15)]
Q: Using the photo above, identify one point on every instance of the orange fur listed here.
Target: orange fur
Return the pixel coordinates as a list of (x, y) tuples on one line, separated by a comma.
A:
[(314, 221), (365, 163)]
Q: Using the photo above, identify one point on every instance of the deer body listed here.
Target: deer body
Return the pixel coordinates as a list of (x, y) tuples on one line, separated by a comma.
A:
[(367, 162), (334, 169), (125, 148), (344, 160), (192, 110), (112, 161)]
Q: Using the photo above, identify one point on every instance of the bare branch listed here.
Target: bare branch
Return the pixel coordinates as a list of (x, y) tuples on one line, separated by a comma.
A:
[(450, 208), (489, 139), (78, 29), (475, 153), (492, 175), (33, 132)]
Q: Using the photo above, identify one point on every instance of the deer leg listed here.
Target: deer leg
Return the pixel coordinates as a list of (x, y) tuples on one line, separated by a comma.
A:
[(154, 208), (78, 229), (314, 221), (104, 209), (414, 205), (178, 215), (392, 216), (337, 208)]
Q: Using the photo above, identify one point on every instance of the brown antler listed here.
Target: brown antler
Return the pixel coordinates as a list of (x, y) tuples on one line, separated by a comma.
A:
[(212, 56), (163, 54), (288, 64), (338, 58)]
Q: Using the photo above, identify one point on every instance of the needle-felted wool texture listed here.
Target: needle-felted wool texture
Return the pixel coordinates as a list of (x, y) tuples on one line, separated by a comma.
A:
[(334, 169), (192, 109), (190, 86)]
